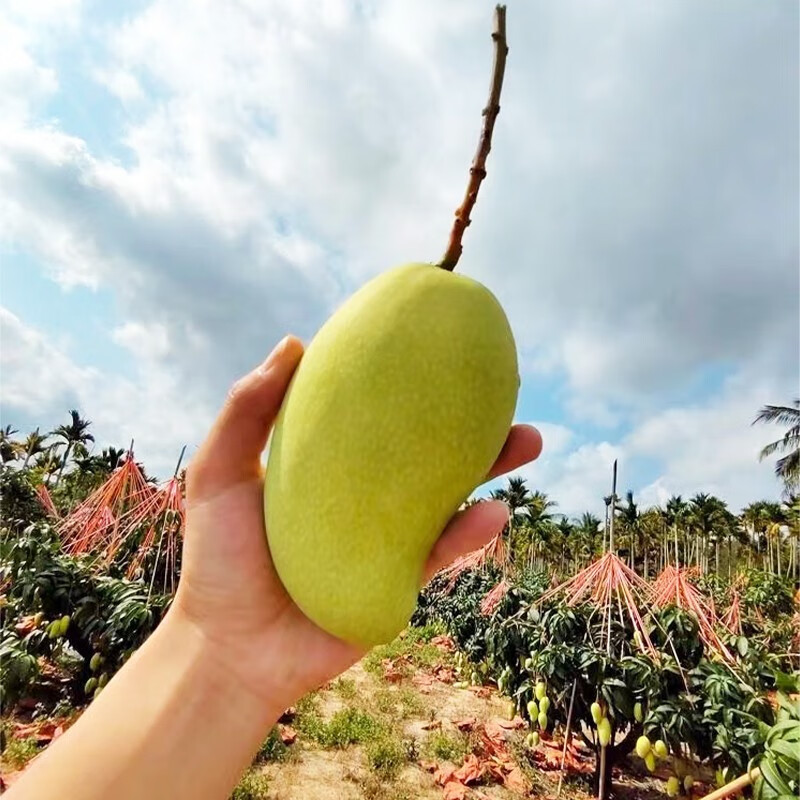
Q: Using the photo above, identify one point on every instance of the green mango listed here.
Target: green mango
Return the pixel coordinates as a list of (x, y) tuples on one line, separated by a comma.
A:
[(397, 411)]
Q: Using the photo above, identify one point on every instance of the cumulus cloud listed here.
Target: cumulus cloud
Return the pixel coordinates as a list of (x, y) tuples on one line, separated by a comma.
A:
[(40, 382), (639, 223)]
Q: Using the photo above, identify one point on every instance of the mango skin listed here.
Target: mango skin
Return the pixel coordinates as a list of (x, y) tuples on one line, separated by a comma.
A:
[(398, 409)]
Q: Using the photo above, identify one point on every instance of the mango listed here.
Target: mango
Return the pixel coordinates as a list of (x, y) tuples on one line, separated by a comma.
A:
[(543, 720), (642, 746), (638, 712), (597, 712), (660, 748), (650, 761), (604, 732), (544, 704), (398, 409), (673, 786), (540, 690), (533, 709)]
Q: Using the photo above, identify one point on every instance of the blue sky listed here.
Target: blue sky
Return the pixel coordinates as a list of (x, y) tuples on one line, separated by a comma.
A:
[(183, 183)]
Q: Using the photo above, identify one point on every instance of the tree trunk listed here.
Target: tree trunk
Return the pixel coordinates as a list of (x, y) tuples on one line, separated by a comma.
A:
[(64, 462)]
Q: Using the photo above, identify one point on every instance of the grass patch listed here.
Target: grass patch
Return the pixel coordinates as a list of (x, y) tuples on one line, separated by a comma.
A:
[(253, 786), (414, 643), (386, 756), (272, 748), (443, 746), (401, 703), (347, 726), (19, 752), (345, 688), (372, 788)]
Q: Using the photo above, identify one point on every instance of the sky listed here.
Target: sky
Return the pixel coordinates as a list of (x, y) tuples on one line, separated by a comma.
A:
[(182, 182)]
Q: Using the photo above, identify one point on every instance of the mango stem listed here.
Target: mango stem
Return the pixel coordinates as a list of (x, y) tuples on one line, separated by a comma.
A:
[(477, 172)]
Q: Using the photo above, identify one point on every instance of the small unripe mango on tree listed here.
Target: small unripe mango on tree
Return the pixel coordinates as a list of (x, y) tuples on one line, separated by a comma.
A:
[(543, 721), (544, 704), (642, 746), (604, 732)]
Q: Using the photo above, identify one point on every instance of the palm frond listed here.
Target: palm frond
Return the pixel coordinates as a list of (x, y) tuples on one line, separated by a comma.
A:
[(784, 415)]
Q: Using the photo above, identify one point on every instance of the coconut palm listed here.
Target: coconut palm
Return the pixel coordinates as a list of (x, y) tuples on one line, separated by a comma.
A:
[(628, 517), (675, 516), (76, 432), (33, 445), (707, 517), (586, 534), (539, 522), (787, 468), (516, 496)]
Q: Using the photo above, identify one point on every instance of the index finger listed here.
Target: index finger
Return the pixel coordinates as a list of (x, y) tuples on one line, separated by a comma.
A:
[(524, 444)]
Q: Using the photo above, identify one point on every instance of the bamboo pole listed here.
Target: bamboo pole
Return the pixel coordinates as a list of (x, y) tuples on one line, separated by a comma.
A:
[(734, 787)]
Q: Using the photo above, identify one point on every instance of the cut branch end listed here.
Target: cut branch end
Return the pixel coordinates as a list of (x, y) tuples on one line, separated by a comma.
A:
[(477, 171)]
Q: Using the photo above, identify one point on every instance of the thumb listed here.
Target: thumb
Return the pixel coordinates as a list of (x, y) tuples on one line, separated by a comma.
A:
[(231, 453)]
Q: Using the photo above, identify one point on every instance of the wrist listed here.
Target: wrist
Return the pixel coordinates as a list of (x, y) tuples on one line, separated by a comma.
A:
[(232, 667)]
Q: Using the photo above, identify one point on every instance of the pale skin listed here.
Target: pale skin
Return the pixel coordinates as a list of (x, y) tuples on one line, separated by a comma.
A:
[(185, 716)]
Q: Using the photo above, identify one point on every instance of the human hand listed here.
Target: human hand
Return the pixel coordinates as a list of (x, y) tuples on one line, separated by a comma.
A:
[(229, 590)]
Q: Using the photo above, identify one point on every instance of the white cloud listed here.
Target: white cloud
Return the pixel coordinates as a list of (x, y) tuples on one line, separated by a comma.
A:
[(41, 381), (638, 223)]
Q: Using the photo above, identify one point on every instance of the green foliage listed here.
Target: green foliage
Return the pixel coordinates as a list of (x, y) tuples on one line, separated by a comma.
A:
[(20, 506), (345, 688), (272, 748), (691, 700), (112, 616), (399, 702), (347, 726), (386, 755), (18, 668), (444, 746), (19, 752), (767, 594), (780, 761), (413, 644), (253, 786)]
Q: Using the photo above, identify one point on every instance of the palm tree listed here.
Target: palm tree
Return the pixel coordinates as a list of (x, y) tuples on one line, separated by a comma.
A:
[(628, 516), (516, 496), (539, 522), (787, 468), (759, 520), (586, 531), (9, 448), (674, 516), (48, 461), (706, 517), (73, 433), (33, 445)]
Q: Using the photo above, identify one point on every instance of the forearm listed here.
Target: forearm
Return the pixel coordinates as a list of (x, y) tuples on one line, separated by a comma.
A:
[(171, 724)]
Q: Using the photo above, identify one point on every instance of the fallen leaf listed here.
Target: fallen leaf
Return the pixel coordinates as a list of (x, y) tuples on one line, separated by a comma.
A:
[(454, 791), (512, 724), (466, 724), (288, 714), (470, 771), (443, 774), (443, 642), (288, 734), (433, 724), (515, 781), (429, 766)]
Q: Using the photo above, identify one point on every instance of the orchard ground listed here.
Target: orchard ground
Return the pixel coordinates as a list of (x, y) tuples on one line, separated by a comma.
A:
[(393, 726)]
